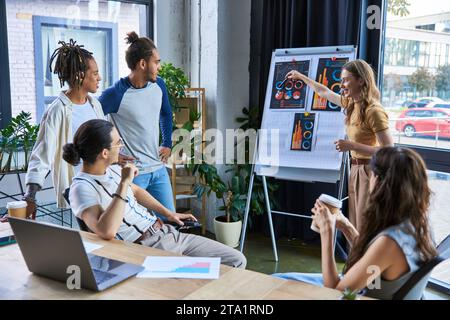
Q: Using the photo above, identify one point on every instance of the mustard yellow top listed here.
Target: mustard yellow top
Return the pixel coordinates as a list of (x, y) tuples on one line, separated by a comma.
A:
[(376, 120)]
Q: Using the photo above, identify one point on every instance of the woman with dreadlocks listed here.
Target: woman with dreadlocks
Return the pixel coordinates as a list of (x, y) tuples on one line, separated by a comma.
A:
[(75, 66)]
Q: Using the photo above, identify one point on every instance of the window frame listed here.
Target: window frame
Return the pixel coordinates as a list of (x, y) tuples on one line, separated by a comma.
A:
[(5, 88), (436, 159), (40, 21)]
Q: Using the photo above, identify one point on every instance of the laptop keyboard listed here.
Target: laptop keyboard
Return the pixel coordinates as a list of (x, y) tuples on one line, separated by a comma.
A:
[(102, 276)]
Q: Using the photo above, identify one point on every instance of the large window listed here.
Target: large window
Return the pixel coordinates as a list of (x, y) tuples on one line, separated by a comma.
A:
[(417, 73), (35, 27), (416, 95), (100, 38), (440, 220)]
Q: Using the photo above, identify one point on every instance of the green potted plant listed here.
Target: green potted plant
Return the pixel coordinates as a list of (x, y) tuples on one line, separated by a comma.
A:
[(349, 294), (251, 119), (176, 83), (18, 137), (227, 227), (234, 194)]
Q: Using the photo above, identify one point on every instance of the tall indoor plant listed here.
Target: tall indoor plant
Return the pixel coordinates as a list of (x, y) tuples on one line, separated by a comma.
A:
[(176, 82), (233, 194)]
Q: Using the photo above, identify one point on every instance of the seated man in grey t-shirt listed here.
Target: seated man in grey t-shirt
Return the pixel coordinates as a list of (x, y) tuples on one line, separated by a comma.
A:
[(104, 197)]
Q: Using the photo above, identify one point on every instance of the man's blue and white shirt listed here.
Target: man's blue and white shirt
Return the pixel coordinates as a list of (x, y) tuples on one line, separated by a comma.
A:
[(139, 114)]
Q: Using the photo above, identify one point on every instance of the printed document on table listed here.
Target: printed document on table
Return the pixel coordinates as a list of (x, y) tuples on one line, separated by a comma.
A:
[(89, 246), (181, 267)]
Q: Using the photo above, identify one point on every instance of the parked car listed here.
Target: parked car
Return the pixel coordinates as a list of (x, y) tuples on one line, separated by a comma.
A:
[(424, 122), (441, 105), (406, 103), (422, 102)]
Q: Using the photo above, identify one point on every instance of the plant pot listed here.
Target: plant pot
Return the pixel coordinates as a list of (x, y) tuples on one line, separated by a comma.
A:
[(227, 233)]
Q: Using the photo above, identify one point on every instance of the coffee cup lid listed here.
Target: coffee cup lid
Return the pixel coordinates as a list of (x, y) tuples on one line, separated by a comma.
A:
[(16, 205), (331, 200)]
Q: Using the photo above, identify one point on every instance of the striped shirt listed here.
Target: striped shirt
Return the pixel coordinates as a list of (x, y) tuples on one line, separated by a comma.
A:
[(89, 190)]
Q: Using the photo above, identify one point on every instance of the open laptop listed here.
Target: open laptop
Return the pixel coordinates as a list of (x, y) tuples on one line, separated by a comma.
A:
[(49, 250)]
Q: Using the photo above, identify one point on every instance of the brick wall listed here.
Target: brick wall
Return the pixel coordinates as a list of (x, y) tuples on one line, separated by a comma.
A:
[(20, 38)]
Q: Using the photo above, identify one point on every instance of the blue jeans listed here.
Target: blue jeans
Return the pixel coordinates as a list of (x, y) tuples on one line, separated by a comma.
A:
[(311, 278), (157, 183)]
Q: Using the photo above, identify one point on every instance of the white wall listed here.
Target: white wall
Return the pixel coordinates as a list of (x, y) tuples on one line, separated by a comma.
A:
[(172, 31), (212, 44)]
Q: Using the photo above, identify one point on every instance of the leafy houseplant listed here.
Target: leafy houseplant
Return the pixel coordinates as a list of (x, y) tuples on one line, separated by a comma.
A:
[(211, 182), (251, 119), (349, 294), (176, 83), (183, 108), (18, 136), (234, 193)]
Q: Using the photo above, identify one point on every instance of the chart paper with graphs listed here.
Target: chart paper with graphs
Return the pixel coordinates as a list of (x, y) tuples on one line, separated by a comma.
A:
[(306, 124), (329, 74)]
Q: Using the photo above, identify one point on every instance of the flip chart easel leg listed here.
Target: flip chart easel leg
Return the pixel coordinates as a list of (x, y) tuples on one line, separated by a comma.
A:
[(269, 215), (247, 210)]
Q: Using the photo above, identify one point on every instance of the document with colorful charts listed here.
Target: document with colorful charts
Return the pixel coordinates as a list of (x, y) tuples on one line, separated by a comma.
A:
[(289, 94), (181, 267), (307, 128), (303, 137), (329, 74)]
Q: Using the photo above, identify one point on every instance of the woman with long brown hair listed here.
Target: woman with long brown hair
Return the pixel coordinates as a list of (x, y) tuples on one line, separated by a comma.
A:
[(395, 239), (366, 124)]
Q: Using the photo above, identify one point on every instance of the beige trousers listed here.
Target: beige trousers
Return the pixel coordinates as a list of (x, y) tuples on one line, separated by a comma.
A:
[(169, 239), (358, 191)]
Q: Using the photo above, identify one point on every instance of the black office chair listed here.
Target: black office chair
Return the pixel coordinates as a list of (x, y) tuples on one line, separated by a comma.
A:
[(81, 224), (413, 288)]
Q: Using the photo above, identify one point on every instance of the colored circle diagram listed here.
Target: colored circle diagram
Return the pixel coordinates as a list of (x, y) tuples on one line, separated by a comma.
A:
[(308, 125), (336, 87), (298, 85), (279, 95), (306, 145), (288, 95), (279, 85), (336, 75), (289, 85)]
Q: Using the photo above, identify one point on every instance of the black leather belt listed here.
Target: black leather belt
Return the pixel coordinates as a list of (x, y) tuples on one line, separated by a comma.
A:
[(150, 231), (359, 161)]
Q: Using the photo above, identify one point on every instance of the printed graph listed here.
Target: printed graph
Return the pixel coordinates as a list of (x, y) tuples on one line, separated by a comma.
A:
[(198, 267), (181, 267), (288, 94), (328, 74), (303, 132)]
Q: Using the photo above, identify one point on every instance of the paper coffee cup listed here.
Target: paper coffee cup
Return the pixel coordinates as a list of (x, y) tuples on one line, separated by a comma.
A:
[(17, 209), (332, 203), (335, 205)]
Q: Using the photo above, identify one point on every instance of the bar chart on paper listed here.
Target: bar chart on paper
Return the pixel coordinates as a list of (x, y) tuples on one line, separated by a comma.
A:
[(181, 267)]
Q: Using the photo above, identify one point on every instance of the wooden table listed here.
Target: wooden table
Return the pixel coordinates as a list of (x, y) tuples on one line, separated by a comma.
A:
[(16, 282)]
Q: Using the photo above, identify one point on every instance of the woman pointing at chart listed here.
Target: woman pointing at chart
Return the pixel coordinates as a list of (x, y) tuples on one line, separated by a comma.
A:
[(366, 123)]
